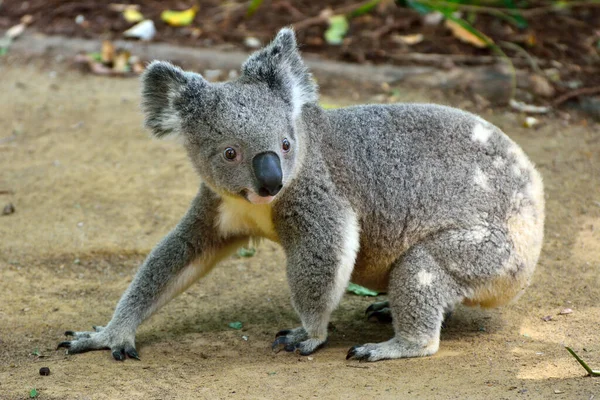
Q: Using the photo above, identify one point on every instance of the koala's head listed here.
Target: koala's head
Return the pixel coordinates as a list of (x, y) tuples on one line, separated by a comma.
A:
[(244, 136)]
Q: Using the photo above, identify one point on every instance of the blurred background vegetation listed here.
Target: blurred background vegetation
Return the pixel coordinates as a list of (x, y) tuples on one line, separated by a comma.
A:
[(556, 42)]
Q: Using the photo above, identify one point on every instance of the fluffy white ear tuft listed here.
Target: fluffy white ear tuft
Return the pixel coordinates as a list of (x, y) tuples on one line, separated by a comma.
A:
[(279, 65), (162, 86)]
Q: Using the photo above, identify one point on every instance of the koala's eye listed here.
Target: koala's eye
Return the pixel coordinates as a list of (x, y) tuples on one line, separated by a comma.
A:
[(285, 145), (230, 154)]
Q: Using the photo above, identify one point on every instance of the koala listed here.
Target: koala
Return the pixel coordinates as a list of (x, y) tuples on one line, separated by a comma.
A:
[(430, 204)]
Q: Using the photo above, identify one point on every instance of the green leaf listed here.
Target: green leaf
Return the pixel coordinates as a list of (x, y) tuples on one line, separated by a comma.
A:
[(338, 27), (252, 7), (417, 6), (236, 325), (246, 252), (360, 291), (516, 16), (33, 393), (365, 8), (36, 352), (469, 28), (97, 56)]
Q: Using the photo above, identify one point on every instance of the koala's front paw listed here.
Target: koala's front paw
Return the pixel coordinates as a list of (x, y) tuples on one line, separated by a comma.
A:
[(297, 340), (121, 345)]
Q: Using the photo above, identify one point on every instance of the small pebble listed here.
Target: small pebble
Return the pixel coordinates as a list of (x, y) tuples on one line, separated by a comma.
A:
[(547, 318), (252, 42), (44, 371), (566, 311), (530, 122), (8, 209), (557, 391)]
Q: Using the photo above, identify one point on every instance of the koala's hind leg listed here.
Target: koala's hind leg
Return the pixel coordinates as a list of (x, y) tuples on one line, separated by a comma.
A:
[(419, 294), (431, 278)]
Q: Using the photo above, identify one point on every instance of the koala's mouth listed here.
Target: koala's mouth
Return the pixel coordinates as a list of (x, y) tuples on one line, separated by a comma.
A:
[(255, 198)]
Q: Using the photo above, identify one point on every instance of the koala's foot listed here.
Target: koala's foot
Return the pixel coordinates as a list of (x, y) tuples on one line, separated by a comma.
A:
[(121, 345), (379, 311), (394, 348), (297, 340)]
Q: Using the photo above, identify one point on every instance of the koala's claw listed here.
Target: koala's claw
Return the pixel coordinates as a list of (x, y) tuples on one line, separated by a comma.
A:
[(383, 316), (121, 346), (377, 306), (379, 311), (283, 332), (352, 352), (363, 352), (296, 340)]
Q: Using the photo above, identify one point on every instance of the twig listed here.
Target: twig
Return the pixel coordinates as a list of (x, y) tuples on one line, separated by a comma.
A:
[(552, 8), (357, 366), (498, 11), (575, 93), (528, 57), (590, 371), (323, 17), (442, 59), (527, 108)]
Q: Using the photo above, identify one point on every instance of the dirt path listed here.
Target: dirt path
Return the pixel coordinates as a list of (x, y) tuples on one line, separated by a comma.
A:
[(93, 194)]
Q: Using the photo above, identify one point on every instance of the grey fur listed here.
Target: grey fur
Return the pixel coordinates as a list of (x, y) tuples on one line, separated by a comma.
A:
[(428, 202)]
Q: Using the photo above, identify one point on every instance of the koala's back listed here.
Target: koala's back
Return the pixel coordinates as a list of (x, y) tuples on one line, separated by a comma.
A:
[(411, 171)]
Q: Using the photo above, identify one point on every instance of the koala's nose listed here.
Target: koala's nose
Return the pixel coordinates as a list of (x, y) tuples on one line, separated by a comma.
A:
[(267, 169)]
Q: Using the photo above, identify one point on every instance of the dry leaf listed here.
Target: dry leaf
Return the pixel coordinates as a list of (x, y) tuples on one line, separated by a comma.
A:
[(15, 31), (464, 35), (144, 30), (137, 67), (107, 52), (121, 62), (132, 15), (119, 7), (27, 19), (179, 18), (408, 39)]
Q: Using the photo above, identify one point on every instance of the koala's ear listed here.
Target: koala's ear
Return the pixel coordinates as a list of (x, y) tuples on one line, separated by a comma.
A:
[(163, 85), (281, 67)]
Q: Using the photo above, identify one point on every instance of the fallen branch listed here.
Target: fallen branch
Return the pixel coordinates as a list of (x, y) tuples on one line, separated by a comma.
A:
[(499, 11), (532, 61), (575, 93), (442, 59)]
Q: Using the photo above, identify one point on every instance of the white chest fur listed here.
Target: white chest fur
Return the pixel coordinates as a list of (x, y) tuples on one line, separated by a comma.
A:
[(239, 217)]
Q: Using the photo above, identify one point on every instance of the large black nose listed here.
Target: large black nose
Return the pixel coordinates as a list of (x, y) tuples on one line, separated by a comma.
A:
[(267, 170)]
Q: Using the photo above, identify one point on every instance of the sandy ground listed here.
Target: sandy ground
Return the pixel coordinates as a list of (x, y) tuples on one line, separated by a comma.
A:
[(93, 194)]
